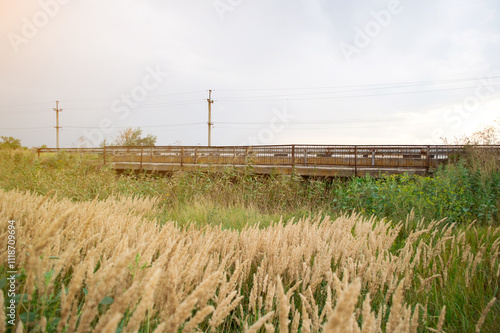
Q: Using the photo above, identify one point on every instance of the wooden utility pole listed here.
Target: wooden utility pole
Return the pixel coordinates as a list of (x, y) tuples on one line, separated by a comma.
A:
[(210, 102), (57, 110)]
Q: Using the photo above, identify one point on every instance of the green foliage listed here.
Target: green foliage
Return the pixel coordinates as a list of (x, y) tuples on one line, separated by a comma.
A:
[(454, 192), (133, 137), (9, 142)]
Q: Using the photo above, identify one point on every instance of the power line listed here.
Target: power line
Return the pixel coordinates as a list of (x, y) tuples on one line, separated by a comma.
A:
[(117, 127), (163, 129), (341, 127), (103, 100), (29, 104), (153, 96), (90, 108), (339, 91), (336, 95), (26, 128), (142, 126), (24, 112), (382, 118), (348, 96), (246, 124), (368, 85), (138, 106), (117, 99), (374, 86)]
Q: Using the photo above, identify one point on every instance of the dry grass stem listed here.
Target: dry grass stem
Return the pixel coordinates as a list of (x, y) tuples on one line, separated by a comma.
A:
[(111, 263), (484, 314)]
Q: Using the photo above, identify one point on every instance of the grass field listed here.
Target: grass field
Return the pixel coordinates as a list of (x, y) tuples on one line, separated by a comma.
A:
[(237, 252)]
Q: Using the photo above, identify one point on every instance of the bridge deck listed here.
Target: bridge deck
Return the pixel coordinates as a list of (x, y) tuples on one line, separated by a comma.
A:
[(306, 160), (317, 171)]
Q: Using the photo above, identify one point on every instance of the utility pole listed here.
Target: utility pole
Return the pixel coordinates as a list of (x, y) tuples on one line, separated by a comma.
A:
[(57, 110), (210, 102)]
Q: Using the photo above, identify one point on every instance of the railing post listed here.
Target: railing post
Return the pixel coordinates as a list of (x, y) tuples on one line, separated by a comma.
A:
[(196, 156), (428, 157), (293, 156), (246, 156), (104, 154), (234, 156), (355, 161), (436, 156), (182, 157), (140, 167), (305, 156), (38, 152)]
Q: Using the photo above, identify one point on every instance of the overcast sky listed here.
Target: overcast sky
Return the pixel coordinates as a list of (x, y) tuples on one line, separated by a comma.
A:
[(315, 71)]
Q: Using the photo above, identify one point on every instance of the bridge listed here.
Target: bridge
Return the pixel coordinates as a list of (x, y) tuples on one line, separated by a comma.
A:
[(304, 160)]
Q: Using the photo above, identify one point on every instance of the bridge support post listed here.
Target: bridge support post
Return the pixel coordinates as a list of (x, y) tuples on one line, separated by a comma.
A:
[(182, 157), (428, 158), (140, 167), (355, 161), (234, 156)]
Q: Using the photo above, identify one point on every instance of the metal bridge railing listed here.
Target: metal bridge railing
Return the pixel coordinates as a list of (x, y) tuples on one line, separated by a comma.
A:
[(353, 156)]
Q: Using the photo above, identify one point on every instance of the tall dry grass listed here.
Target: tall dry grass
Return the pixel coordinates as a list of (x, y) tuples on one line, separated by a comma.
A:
[(101, 265)]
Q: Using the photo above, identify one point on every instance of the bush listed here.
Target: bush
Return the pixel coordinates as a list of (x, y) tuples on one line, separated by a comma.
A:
[(9, 142), (456, 192)]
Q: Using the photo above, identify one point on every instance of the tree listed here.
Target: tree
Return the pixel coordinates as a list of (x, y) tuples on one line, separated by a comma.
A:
[(133, 137), (488, 135), (10, 142)]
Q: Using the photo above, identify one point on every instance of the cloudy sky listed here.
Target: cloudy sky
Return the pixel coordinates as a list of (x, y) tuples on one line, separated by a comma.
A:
[(316, 71)]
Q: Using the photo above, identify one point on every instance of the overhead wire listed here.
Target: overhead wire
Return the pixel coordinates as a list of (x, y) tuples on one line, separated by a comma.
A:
[(152, 96), (369, 85), (142, 126), (70, 108), (250, 99), (134, 107), (26, 128), (347, 89), (340, 127)]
